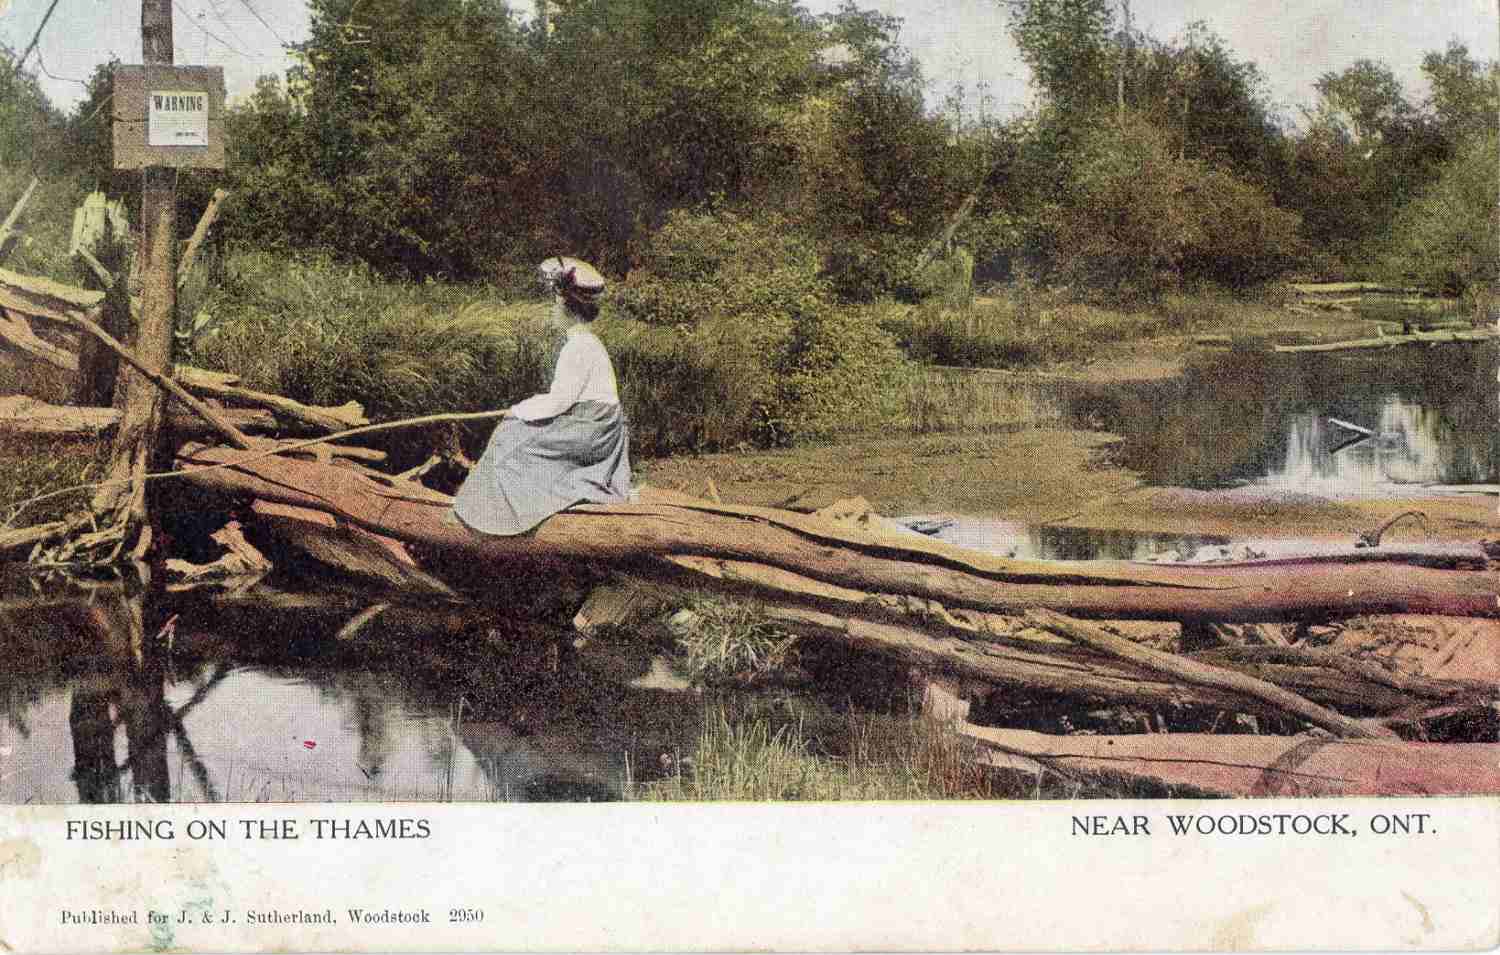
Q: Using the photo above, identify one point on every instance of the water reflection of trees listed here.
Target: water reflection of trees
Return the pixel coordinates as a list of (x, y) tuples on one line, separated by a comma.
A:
[(96, 665), (1244, 417)]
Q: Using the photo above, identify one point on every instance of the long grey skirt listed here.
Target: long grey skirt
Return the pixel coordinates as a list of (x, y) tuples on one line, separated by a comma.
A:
[(532, 469)]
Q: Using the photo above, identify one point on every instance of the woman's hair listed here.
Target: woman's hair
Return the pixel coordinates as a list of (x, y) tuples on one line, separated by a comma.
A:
[(585, 310)]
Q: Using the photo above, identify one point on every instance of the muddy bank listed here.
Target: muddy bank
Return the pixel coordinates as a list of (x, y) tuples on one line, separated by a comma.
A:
[(1164, 438), (1049, 476)]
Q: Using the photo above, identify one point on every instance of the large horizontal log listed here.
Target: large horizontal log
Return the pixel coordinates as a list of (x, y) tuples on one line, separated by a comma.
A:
[(1343, 288), (1414, 338), (23, 415), (1001, 665), (1266, 765), (44, 297), (664, 524)]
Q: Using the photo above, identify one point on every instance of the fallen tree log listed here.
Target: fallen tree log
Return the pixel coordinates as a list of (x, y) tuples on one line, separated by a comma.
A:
[(1197, 673), (319, 418), (18, 333), (23, 415), (349, 550), (1414, 338), (663, 524), (1039, 661), (1344, 288), (1265, 765), (43, 297)]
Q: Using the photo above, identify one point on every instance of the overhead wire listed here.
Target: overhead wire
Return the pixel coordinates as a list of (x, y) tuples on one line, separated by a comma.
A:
[(42, 64), (256, 13), (210, 34), (36, 36)]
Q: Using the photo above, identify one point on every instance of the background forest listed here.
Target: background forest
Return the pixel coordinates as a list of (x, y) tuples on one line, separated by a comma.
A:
[(775, 194)]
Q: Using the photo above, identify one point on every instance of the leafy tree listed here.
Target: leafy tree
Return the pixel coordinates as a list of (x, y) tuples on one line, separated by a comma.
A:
[(1449, 237), (1465, 98), (1214, 106), (30, 127), (1366, 153), (1068, 46), (1365, 101)]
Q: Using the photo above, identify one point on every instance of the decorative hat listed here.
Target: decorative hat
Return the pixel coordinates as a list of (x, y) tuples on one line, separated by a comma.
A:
[(572, 278)]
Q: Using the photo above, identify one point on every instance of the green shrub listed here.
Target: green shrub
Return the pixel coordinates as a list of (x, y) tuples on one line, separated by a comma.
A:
[(953, 276), (760, 354), (1138, 220), (728, 639), (874, 267), (838, 372), (701, 264), (694, 390)]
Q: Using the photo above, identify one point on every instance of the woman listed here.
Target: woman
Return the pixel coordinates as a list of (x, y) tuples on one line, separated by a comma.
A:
[(563, 447)]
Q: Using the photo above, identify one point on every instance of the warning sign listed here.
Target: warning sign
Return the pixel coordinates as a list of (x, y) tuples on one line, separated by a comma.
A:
[(169, 116), (177, 118)]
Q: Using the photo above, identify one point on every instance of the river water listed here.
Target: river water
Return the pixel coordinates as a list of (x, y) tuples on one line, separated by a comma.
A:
[(251, 697)]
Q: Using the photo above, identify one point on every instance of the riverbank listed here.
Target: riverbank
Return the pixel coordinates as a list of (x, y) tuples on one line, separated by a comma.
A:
[(1057, 477)]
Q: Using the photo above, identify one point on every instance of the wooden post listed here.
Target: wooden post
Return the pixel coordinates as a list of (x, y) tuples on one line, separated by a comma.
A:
[(139, 401)]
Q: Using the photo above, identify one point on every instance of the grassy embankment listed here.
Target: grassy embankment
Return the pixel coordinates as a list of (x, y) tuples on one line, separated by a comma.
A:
[(327, 333)]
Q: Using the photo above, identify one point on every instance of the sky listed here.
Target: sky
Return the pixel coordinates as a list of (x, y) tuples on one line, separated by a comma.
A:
[(956, 41)]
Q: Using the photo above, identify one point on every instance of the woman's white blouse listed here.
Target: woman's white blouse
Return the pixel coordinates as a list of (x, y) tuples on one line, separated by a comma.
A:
[(583, 373)]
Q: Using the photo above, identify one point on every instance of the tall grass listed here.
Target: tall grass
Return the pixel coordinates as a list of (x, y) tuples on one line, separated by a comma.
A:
[(756, 757), (326, 333), (45, 225), (722, 639), (953, 400), (1010, 332)]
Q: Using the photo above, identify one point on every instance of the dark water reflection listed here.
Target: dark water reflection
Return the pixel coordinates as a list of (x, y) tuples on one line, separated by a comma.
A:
[(1264, 420), (258, 703), (1034, 542)]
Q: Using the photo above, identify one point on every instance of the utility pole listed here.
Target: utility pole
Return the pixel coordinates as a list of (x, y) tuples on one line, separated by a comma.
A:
[(140, 401)]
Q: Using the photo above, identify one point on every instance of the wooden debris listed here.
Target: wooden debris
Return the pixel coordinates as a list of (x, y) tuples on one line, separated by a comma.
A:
[(232, 434), (23, 415), (26, 538), (43, 297), (350, 550), (200, 232), (610, 605), (1194, 672), (17, 332), (421, 470), (240, 558), (326, 419), (1415, 338), (1238, 765), (8, 231), (1343, 288), (361, 620)]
